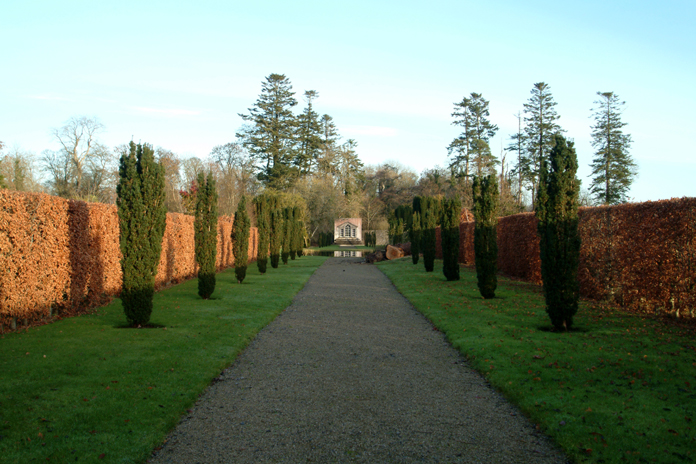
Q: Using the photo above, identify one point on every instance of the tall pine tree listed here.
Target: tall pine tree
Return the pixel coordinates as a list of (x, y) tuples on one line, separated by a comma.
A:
[(240, 237), (309, 140), (205, 228), (613, 169), (263, 226), (540, 127), (269, 134), (486, 234), (415, 232), (142, 219), (559, 241)]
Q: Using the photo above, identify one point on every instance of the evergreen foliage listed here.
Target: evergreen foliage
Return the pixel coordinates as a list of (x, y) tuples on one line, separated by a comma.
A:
[(485, 234), (559, 241), (415, 236), (277, 229), (540, 119), (613, 169), (449, 229), (205, 227), (240, 237), (294, 231), (142, 219), (269, 135), (263, 225), (309, 136), (470, 150), (287, 234), (429, 218), (298, 238)]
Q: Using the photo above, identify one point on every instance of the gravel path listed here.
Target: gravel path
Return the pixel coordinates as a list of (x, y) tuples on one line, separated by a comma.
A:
[(351, 372)]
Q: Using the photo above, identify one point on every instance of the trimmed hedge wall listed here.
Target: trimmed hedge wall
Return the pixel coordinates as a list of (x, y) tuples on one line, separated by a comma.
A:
[(641, 256), (61, 257)]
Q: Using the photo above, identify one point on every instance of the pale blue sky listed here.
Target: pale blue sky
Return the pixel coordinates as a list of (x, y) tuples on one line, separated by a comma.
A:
[(176, 73)]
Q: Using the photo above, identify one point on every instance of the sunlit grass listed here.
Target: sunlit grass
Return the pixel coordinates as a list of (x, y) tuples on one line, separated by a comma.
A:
[(620, 388), (83, 388)]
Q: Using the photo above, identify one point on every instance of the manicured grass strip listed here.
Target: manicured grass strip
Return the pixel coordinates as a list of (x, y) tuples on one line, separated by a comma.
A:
[(84, 388), (621, 388)]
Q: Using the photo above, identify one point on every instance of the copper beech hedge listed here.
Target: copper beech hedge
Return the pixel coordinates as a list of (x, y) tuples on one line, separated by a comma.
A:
[(62, 257), (641, 256)]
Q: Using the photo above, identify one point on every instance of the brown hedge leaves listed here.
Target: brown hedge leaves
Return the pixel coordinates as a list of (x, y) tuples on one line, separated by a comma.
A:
[(641, 256), (62, 256)]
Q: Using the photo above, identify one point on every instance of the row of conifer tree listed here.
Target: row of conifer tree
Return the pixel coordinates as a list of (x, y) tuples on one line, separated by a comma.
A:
[(142, 219), (556, 209)]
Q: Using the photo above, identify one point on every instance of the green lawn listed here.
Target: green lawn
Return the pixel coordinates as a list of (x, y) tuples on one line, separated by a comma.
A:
[(84, 389), (620, 388)]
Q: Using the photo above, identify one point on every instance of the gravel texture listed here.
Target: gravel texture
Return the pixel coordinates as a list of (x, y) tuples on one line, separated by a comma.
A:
[(352, 372)]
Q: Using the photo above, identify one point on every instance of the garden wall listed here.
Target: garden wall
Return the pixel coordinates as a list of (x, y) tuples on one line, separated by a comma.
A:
[(63, 256), (641, 256)]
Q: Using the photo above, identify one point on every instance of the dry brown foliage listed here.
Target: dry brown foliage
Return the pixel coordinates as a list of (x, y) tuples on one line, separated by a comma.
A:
[(641, 256), (62, 257)]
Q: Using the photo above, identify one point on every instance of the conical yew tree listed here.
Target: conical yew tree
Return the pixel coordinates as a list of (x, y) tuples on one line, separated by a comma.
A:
[(262, 223), (559, 241), (485, 191), (142, 219), (205, 228), (240, 237), (449, 230)]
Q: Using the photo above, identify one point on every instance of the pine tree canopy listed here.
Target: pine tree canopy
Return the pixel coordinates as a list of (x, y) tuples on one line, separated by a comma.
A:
[(540, 128), (470, 149), (613, 169), (270, 133), (309, 136)]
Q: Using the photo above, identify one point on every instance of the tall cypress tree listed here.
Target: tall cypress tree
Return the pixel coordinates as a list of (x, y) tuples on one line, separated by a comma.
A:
[(299, 230), (240, 235), (287, 234), (263, 225), (205, 227), (142, 219), (613, 169), (415, 235), (559, 241), (429, 218), (485, 234), (449, 229), (277, 229)]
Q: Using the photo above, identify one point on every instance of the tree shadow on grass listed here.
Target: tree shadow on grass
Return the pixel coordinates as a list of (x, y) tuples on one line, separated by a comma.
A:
[(146, 326), (552, 329)]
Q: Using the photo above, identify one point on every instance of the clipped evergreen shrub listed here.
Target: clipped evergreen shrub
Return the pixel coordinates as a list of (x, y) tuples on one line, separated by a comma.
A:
[(142, 218), (277, 229), (417, 227), (262, 224), (240, 237), (449, 229), (485, 190), (559, 241), (429, 217), (205, 234), (287, 234), (298, 238)]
